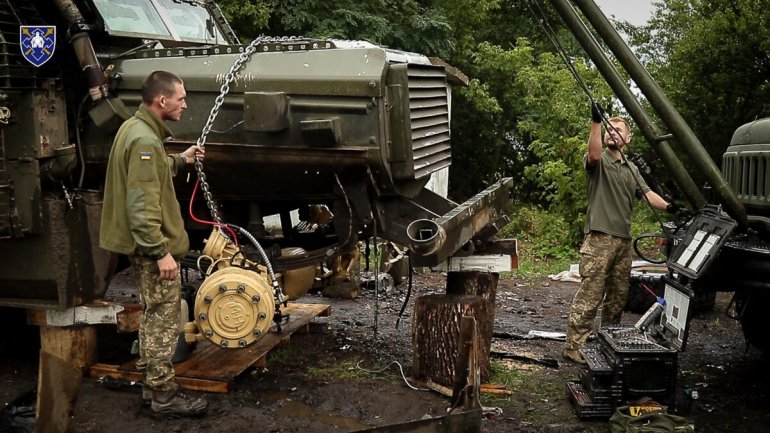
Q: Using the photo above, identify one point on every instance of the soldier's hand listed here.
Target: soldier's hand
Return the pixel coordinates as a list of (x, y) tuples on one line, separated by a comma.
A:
[(678, 211), (674, 208), (167, 267), (194, 153), (597, 114)]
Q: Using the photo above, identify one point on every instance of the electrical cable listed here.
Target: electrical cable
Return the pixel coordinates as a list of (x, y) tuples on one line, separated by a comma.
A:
[(408, 290), (78, 144), (376, 280), (276, 287), (400, 369), (647, 288), (211, 223)]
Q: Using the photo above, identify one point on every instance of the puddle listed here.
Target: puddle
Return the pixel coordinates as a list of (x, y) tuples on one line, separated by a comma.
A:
[(301, 410)]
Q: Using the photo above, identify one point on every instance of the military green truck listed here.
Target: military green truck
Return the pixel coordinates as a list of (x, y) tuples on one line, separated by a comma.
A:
[(288, 123)]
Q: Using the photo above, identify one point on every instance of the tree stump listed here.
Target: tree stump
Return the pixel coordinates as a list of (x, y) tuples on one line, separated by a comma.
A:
[(436, 334), (482, 284), (64, 354)]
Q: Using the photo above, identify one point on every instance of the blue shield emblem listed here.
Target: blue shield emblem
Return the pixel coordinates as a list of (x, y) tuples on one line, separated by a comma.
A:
[(37, 43)]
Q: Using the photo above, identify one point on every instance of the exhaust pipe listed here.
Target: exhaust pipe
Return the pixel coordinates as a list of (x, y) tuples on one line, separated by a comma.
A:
[(84, 49), (426, 237)]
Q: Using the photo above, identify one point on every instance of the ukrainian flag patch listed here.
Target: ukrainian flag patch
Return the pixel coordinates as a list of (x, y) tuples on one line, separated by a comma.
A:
[(145, 156)]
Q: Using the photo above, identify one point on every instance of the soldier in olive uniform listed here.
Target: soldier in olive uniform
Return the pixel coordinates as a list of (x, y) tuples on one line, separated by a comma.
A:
[(141, 219), (605, 256)]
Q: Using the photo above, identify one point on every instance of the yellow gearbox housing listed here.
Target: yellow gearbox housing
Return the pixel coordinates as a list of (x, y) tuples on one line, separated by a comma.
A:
[(234, 307)]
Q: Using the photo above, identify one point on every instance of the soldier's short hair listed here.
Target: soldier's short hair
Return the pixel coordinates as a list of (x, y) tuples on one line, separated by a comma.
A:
[(623, 121), (159, 83)]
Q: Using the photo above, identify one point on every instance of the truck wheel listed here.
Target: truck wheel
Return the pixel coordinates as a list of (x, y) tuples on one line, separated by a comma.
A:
[(752, 313)]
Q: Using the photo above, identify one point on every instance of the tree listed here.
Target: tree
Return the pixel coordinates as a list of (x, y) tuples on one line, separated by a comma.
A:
[(247, 17), (724, 43)]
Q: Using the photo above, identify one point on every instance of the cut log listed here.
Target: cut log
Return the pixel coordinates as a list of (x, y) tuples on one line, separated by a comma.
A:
[(64, 354), (482, 284), (467, 380), (436, 332)]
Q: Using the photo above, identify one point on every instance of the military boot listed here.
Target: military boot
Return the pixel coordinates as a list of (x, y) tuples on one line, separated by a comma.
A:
[(176, 404), (574, 356)]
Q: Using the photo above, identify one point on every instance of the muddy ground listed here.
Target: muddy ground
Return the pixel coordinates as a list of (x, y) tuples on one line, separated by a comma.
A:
[(327, 380)]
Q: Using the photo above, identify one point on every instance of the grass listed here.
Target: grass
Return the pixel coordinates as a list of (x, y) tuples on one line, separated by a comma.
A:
[(534, 266), (537, 399), (350, 369)]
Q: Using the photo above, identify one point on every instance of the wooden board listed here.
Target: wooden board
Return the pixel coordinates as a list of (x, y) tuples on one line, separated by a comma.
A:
[(211, 368)]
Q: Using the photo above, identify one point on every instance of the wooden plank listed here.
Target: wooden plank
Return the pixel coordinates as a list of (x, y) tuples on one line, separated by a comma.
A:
[(76, 344), (126, 316), (130, 318), (193, 383), (486, 263), (211, 368), (57, 390), (231, 362)]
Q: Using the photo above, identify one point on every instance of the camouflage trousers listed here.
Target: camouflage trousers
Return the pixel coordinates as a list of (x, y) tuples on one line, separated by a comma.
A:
[(159, 328), (605, 268)]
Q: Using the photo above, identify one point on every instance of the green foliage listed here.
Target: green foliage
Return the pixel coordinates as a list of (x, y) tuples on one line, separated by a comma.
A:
[(246, 17), (545, 244), (725, 43), (405, 24)]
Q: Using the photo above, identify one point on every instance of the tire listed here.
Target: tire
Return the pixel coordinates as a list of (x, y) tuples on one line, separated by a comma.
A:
[(752, 313)]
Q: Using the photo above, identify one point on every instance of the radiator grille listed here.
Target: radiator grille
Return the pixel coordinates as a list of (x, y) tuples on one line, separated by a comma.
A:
[(429, 116), (748, 176)]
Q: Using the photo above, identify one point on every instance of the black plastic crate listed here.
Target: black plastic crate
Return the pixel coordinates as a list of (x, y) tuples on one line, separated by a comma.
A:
[(584, 406), (604, 392), (643, 367), (596, 361)]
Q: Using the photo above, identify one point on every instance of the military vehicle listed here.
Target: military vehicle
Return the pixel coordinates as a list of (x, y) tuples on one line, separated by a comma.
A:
[(346, 134), (725, 245)]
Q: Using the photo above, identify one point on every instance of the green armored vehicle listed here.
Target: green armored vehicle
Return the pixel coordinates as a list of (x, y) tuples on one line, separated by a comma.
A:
[(289, 124)]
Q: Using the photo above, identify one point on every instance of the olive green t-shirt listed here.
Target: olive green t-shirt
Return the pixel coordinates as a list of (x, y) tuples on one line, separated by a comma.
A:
[(612, 186)]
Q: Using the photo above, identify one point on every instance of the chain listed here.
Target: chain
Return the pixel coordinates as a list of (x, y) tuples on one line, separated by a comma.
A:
[(224, 90), (5, 114), (67, 195)]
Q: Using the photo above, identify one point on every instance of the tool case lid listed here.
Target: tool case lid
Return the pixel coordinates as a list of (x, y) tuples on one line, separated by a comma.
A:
[(676, 318), (702, 240)]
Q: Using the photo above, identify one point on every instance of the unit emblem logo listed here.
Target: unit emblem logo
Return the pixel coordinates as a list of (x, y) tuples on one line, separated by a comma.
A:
[(37, 43)]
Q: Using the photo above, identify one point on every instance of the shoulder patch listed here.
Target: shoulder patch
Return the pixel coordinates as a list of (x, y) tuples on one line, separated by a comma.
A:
[(145, 156)]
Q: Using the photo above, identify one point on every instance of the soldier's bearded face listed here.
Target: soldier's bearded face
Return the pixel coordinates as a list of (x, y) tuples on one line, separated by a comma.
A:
[(616, 136)]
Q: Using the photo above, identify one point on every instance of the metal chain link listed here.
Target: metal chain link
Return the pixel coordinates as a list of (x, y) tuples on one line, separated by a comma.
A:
[(224, 90), (67, 195), (5, 114)]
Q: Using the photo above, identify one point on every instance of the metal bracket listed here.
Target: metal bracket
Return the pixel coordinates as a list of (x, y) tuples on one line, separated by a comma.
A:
[(84, 315)]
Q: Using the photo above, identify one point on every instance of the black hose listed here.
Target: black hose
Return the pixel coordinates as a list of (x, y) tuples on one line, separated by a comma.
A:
[(408, 291)]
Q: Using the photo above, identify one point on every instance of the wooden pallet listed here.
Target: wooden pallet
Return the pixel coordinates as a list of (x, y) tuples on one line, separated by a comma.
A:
[(211, 368)]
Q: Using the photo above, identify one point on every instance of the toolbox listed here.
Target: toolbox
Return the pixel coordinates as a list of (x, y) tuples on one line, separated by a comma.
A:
[(629, 362)]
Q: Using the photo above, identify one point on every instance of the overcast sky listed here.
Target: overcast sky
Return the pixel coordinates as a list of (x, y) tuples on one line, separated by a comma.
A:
[(636, 12)]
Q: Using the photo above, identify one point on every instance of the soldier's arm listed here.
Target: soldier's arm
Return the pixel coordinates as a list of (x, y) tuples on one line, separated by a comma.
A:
[(594, 145), (145, 161)]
